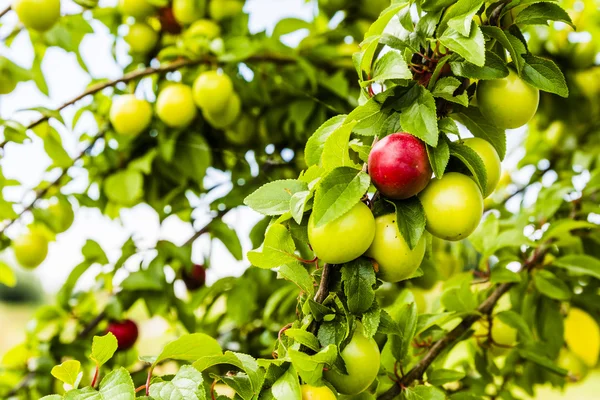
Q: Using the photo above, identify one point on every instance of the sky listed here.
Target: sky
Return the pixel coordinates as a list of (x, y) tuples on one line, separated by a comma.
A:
[(28, 162)]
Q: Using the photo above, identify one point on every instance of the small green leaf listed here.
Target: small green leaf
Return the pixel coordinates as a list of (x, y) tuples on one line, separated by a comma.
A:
[(277, 250), (543, 361), (310, 368), (359, 277), (579, 264), (410, 218), (549, 285), (541, 13), (471, 47), (287, 386), (545, 75), (439, 377), (494, 68), (186, 385), (439, 156), (407, 324), (481, 127), (419, 117), (7, 275), (303, 337), (190, 347), (445, 88), (67, 372), (124, 187), (391, 66), (336, 149), (228, 236), (472, 161), (103, 348), (274, 197)]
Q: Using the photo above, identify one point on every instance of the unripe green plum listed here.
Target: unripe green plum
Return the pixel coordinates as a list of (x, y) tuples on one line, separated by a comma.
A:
[(583, 54), (7, 83), (555, 133), (316, 393), (175, 105), (30, 248), (187, 11), (39, 15), (227, 116), (242, 132), (453, 206), (212, 91), (138, 9), (129, 115), (362, 359), (391, 252), (141, 38), (582, 336), (222, 9), (491, 161), (205, 28), (509, 102), (345, 238), (62, 216), (360, 396), (569, 361), (504, 336)]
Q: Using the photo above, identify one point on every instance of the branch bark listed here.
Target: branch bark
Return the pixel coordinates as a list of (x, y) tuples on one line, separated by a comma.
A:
[(5, 11), (323, 290)]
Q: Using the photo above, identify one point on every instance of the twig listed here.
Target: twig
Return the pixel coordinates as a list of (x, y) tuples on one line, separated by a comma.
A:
[(5, 11), (323, 290), (92, 325), (205, 229)]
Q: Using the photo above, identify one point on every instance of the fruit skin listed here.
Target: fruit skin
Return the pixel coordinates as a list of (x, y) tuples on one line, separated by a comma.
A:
[(141, 38), (508, 102), (345, 238), (212, 91), (569, 361), (453, 206), (62, 216), (360, 396), (242, 132), (40, 15), (7, 84), (582, 336), (399, 166), (204, 27), (316, 393), (225, 118), (362, 359), (175, 105), (222, 9), (129, 115), (583, 54), (396, 260), (224, 390), (491, 161), (503, 334), (139, 9), (194, 279), (125, 331), (30, 249), (187, 11)]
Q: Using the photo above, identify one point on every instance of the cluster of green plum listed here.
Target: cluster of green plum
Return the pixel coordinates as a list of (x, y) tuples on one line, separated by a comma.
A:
[(399, 168), (212, 92)]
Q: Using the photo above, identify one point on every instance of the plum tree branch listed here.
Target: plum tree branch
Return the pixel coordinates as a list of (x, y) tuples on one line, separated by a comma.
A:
[(5, 11), (323, 290)]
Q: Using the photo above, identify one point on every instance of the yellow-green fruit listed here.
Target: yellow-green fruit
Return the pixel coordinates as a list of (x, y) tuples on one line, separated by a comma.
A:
[(242, 132), (508, 102), (228, 116), (569, 361), (316, 393), (555, 133), (40, 15), (175, 105), (222, 9), (504, 336), (584, 54), (129, 115), (212, 91), (205, 28), (7, 83), (224, 390), (582, 336), (187, 11), (362, 359), (62, 216), (360, 396), (345, 238), (491, 161), (391, 252), (453, 206), (30, 249), (139, 9), (141, 38)]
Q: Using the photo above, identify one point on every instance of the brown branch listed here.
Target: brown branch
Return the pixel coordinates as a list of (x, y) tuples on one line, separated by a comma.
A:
[(205, 229), (323, 290), (5, 11), (40, 194), (91, 325)]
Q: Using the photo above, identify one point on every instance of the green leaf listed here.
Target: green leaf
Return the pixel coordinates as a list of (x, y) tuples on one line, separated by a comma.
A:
[(117, 385), (303, 337), (67, 372), (277, 250), (549, 285), (186, 385), (227, 235), (190, 347), (459, 299), (274, 197), (423, 393), (7, 275), (511, 43), (472, 161), (494, 68), (289, 25), (310, 368), (542, 361), (515, 320), (287, 386), (242, 361), (445, 88), (384, 19), (448, 125), (460, 15), (471, 47), (359, 277), (504, 275), (407, 324), (419, 116), (124, 187), (579, 264), (541, 13), (103, 348), (391, 66), (545, 75), (439, 156), (298, 205), (439, 377), (481, 127), (315, 144), (297, 273), (338, 193), (336, 149), (410, 218)]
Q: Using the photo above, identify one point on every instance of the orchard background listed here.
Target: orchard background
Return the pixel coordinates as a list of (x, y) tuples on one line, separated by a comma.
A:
[(150, 147)]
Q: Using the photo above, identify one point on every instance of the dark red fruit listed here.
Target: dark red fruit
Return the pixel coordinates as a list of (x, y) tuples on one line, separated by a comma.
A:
[(194, 279), (125, 331), (168, 22), (399, 166)]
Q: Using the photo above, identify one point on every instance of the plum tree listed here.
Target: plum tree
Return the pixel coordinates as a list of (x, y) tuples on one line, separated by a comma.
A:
[(344, 238), (129, 115), (139, 9), (39, 15), (509, 102), (125, 331), (175, 105), (316, 393), (399, 166), (142, 38), (30, 248), (361, 356), (453, 206), (213, 91), (491, 161), (394, 257)]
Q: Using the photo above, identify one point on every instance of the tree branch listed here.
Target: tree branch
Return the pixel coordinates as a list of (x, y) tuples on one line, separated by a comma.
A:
[(92, 325), (5, 11), (323, 290)]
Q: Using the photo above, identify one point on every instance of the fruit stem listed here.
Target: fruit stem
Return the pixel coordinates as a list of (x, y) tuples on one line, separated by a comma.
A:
[(95, 378)]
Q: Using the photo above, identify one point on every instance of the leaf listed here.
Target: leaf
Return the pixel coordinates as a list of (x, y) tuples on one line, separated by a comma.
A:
[(419, 117), (117, 385), (504, 275), (315, 144), (124, 187), (103, 348), (336, 149), (303, 337), (189, 347), (439, 377), (407, 324), (228, 236), (310, 368), (287, 386), (494, 68), (274, 197), (289, 25), (445, 88), (545, 75), (515, 320), (384, 19), (460, 15), (296, 273), (481, 127), (67, 372), (359, 277), (410, 218), (390, 66), (514, 46), (472, 161), (338, 193), (186, 385), (542, 361), (448, 125), (541, 13), (298, 205), (277, 250), (549, 285), (7, 275), (439, 156), (471, 47), (579, 264), (242, 361), (423, 393)]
